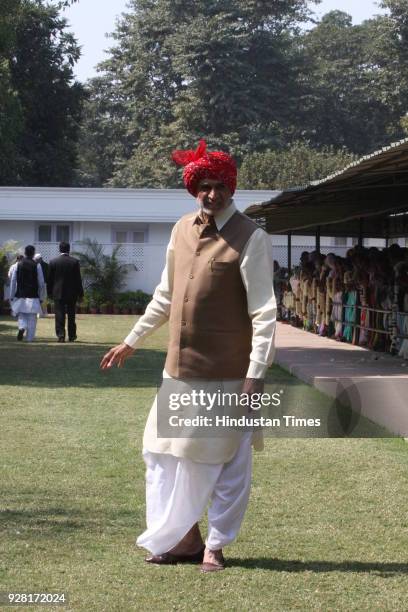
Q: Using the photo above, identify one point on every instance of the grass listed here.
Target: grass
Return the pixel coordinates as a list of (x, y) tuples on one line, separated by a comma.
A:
[(326, 528)]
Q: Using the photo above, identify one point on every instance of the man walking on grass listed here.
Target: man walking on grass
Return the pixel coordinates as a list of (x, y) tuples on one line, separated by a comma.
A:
[(216, 291), (27, 291), (64, 286)]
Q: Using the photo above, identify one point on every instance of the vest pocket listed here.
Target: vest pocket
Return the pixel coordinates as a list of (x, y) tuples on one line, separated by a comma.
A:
[(219, 267)]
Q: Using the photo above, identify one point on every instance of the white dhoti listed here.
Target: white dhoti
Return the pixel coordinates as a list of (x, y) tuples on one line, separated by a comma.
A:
[(178, 491), (28, 321), (26, 310)]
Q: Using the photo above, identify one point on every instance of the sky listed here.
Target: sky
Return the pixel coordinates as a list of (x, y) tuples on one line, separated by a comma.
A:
[(90, 28)]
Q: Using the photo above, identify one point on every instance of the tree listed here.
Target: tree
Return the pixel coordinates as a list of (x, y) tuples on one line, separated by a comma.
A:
[(391, 43), (103, 138), (180, 70), (10, 108), (243, 75), (298, 164), (40, 104), (353, 96), (42, 75)]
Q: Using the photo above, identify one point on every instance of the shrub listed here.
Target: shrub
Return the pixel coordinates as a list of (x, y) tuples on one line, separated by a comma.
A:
[(103, 275)]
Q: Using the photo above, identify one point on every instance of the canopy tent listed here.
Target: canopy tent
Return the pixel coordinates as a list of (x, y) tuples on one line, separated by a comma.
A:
[(369, 198)]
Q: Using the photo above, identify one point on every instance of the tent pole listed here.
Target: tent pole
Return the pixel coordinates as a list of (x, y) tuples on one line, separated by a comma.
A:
[(289, 252), (317, 239), (360, 231)]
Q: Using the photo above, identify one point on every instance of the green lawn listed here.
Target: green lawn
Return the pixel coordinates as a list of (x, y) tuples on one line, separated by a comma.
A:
[(326, 528)]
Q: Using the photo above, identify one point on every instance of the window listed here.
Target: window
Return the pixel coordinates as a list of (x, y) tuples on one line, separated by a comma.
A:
[(62, 233), (44, 233), (120, 237), (54, 232), (138, 237)]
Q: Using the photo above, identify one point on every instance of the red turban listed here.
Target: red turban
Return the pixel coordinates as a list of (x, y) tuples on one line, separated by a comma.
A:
[(200, 164)]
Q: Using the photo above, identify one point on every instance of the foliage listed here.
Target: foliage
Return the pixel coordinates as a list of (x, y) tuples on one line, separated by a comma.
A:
[(102, 139), (181, 70), (125, 299), (239, 72), (10, 107), (133, 299), (355, 99), (8, 253), (104, 275), (10, 250), (296, 165), (40, 104), (245, 76)]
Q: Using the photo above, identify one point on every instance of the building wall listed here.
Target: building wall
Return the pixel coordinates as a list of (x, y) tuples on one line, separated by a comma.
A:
[(94, 213), (101, 232), (159, 233), (21, 231)]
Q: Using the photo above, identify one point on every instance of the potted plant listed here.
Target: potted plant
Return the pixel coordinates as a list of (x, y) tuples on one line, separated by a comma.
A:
[(103, 275), (126, 308), (84, 305), (134, 308), (142, 300)]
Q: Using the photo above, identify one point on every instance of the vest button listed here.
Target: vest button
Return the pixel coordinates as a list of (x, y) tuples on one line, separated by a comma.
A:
[(183, 323), (197, 252), (186, 299), (191, 275)]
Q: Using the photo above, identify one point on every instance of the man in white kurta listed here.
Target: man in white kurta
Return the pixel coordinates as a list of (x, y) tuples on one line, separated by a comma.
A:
[(184, 474), (27, 291)]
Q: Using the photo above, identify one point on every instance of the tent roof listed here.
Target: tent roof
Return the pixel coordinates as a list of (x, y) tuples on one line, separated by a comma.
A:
[(374, 188)]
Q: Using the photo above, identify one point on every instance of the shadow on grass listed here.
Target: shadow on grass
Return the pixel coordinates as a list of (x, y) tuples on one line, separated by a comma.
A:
[(55, 366), (56, 520), (8, 327), (62, 519), (294, 566), (71, 365)]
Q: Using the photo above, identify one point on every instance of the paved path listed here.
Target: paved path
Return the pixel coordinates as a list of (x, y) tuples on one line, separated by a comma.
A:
[(374, 383)]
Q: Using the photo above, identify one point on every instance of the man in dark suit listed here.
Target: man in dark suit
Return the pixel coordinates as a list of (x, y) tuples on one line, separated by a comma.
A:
[(65, 288)]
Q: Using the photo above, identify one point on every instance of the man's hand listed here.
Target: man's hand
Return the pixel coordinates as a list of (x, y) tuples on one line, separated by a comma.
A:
[(117, 354), (251, 386)]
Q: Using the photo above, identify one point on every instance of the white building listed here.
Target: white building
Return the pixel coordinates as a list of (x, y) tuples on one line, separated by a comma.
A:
[(140, 220)]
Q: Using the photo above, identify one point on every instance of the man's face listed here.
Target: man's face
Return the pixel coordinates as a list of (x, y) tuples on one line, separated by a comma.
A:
[(213, 196)]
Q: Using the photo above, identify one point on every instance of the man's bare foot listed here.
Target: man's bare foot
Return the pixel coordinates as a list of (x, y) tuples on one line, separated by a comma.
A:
[(215, 557), (213, 561)]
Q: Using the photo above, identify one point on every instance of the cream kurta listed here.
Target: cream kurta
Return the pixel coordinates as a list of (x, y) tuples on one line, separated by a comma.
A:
[(256, 268)]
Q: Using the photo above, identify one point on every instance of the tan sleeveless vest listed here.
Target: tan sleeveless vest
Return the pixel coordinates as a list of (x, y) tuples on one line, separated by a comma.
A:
[(210, 329)]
